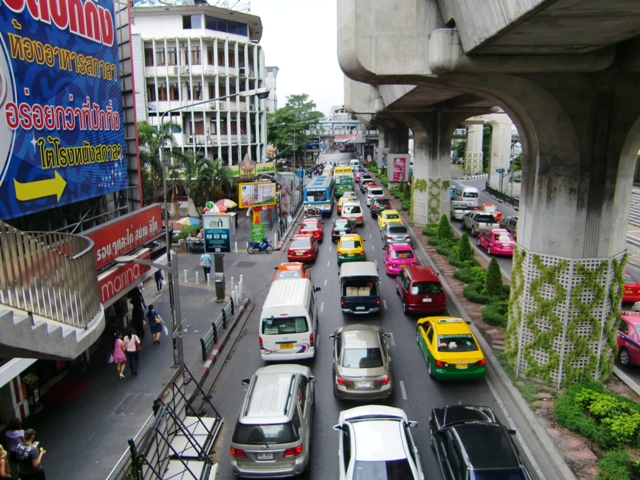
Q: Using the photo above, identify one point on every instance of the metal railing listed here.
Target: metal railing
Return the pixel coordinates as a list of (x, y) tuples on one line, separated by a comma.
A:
[(49, 274), (501, 196), (211, 337)]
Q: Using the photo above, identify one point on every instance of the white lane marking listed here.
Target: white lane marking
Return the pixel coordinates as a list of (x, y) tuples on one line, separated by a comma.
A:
[(372, 247), (331, 248), (384, 302), (328, 262), (325, 282), (367, 225), (376, 262), (370, 236), (392, 338), (524, 447), (321, 306), (404, 391)]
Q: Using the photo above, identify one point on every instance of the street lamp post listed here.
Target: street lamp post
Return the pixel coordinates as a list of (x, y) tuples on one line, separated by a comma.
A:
[(172, 268)]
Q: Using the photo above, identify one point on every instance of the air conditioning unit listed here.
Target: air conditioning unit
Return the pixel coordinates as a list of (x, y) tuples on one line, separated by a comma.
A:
[(174, 70), (242, 72), (252, 107), (185, 70), (212, 106)]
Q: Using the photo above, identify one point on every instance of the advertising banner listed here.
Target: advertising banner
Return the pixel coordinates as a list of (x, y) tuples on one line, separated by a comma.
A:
[(399, 167), (256, 194), (121, 277), (125, 234), (257, 232), (217, 233), (61, 120)]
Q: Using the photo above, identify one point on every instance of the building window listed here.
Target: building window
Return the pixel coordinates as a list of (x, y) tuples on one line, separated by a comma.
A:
[(162, 91), (148, 57), (174, 91), (186, 21), (211, 87), (223, 90), (198, 127), (195, 55), (151, 93), (210, 57), (223, 126), (197, 91), (221, 25), (221, 61), (196, 21), (160, 57), (172, 56), (232, 59)]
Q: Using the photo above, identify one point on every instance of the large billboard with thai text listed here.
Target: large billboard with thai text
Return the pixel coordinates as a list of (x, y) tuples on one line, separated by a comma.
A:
[(61, 122)]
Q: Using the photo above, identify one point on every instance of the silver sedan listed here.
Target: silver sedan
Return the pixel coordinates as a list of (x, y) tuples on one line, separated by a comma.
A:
[(361, 363)]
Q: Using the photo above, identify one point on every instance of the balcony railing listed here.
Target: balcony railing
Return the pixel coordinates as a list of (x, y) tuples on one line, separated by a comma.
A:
[(49, 274)]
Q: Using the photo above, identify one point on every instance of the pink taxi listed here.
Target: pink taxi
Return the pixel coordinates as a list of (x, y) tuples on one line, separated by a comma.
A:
[(397, 256), (628, 339), (496, 242)]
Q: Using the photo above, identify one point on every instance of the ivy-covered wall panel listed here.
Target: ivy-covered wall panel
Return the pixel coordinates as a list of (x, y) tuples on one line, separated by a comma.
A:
[(563, 316), (473, 163)]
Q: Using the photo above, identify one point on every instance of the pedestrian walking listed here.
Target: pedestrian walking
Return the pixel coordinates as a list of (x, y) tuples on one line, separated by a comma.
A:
[(132, 346), (155, 324), (136, 297), (5, 468), (137, 319), (159, 277), (205, 263), (119, 357), (30, 458), (109, 338), (14, 436)]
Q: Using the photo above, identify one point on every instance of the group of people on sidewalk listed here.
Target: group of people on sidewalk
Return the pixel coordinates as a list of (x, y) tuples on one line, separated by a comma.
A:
[(125, 347), (22, 454)]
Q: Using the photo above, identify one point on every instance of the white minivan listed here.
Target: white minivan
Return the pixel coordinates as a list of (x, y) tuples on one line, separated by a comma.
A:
[(289, 321), (354, 164), (468, 195)]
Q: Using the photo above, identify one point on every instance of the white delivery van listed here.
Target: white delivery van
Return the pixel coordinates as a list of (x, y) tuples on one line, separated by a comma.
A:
[(469, 195), (289, 321), (354, 164), (353, 211)]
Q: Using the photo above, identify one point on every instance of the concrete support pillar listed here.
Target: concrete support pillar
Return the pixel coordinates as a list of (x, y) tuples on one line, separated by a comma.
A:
[(501, 129), (473, 152), (398, 138)]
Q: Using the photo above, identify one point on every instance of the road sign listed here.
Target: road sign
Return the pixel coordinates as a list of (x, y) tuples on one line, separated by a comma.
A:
[(500, 170), (217, 233)]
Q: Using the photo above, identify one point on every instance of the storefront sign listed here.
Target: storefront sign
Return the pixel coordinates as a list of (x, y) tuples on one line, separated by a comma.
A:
[(122, 277), (125, 234), (217, 233), (399, 166), (256, 194)]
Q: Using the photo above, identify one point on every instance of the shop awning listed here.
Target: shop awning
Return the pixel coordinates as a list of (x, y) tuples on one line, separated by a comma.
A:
[(350, 138)]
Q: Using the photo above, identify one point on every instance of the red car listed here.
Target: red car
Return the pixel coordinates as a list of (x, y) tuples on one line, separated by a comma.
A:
[(497, 242), (420, 290), (312, 226), (631, 292), (628, 339), (303, 248)]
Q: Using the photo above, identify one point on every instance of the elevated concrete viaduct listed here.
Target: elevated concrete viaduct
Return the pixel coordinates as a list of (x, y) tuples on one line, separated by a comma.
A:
[(567, 73)]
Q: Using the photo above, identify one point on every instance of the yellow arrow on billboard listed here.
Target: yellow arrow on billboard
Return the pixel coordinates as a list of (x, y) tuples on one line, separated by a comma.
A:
[(40, 188)]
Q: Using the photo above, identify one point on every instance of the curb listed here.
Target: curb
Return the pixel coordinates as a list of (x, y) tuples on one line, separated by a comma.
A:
[(217, 348)]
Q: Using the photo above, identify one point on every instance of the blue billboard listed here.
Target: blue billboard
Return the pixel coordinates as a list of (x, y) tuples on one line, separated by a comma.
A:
[(61, 120)]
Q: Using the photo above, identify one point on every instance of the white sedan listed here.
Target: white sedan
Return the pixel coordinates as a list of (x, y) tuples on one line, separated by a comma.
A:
[(376, 442)]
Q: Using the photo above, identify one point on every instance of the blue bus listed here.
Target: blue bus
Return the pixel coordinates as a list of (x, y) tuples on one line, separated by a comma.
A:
[(318, 193)]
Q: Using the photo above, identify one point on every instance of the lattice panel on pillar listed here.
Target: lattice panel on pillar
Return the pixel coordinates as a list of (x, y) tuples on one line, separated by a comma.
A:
[(473, 163), (419, 201), (561, 324), (435, 199)]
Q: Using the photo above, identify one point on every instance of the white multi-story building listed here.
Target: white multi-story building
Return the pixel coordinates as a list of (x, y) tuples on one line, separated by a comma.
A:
[(188, 54), (272, 100)]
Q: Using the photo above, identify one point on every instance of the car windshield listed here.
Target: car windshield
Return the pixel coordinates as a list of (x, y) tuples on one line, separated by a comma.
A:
[(361, 358), (341, 224), (402, 254), (284, 325), (316, 195), (504, 237), (310, 225), (302, 243), (382, 470), (350, 244), (263, 434), (392, 216), (456, 343), (511, 474), (397, 229), (425, 288), (470, 194), (382, 203)]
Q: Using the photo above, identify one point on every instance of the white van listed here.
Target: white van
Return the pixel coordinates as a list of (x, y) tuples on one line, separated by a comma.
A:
[(353, 211), (354, 164), (289, 321), (469, 195)]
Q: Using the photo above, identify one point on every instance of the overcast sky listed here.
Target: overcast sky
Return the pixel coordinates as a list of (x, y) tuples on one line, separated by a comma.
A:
[(299, 37)]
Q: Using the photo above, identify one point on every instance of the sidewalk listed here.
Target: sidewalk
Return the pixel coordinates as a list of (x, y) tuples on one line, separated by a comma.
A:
[(86, 432)]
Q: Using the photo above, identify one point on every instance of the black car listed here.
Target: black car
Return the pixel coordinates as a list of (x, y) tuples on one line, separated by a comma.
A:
[(471, 444), (378, 204), (340, 227)]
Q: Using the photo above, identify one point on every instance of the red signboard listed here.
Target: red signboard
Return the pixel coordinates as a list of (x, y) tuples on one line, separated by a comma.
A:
[(125, 234), (122, 277), (400, 167)]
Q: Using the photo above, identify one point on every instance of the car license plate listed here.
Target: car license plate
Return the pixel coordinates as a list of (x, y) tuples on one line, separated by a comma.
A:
[(427, 300), (461, 366), (359, 308), (628, 291), (299, 253), (265, 456), (363, 384), (350, 254), (402, 265), (285, 346)]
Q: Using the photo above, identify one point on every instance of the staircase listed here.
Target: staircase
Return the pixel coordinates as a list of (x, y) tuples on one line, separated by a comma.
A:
[(49, 304)]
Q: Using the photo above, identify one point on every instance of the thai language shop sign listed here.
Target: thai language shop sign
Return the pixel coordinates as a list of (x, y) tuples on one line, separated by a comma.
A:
[(61, 123)]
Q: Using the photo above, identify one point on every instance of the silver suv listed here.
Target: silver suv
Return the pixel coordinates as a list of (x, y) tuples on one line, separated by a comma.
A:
[(272, 437)]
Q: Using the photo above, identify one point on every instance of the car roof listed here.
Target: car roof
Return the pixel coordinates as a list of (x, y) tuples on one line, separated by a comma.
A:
[(358, 269), (447, 325), (269, 397), (497, 231), (350, 236), (360, 336), (487, 445), (451, 414), (422, 273), (388, 226), (290, 266), (379, 439), (632, 317), (389, 212), (301, 237), (311, 220), (400, 246)]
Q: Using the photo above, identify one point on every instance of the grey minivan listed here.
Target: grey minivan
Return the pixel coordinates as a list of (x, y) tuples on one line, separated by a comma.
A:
[(272, 437)]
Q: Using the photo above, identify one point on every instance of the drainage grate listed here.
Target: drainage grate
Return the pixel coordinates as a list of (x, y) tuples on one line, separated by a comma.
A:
[(246, 264)]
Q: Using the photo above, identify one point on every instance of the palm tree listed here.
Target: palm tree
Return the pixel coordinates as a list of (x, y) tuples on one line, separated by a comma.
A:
[(204, 179)]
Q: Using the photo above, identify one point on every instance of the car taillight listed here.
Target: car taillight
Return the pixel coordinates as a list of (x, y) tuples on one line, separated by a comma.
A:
[(441, 364), (261, 344), (238, 453), (293, 452), (311, 342), (377, 301), (342, 303), (481, 363), (333, 232), (361, 254), (389, 237), (342, 381), (352, 231), (359, 217), (383, 381)]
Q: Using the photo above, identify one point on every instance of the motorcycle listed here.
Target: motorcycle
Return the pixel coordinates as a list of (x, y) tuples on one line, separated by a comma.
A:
[(264, 246)]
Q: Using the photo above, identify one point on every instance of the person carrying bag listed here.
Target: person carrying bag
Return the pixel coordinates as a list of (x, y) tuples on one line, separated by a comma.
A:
[(132, 346)]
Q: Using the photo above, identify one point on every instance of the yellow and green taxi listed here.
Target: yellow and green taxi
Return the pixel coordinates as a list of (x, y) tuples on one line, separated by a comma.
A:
[(450, 349), (350, 249), (388, 216), (344, 198)]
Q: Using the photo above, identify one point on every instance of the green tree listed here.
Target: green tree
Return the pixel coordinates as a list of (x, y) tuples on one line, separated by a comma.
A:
[(445, 232), (287, 126), (493, 279), (205, 179), (465, 252)]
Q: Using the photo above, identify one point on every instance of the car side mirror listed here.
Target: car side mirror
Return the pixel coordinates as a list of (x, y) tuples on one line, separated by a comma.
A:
[(245, 381), (511, 431), (337, 428), (333, 335), (316, 289), (312, 379), (411, 424)]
